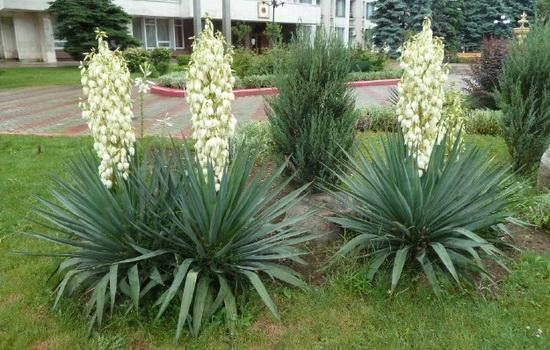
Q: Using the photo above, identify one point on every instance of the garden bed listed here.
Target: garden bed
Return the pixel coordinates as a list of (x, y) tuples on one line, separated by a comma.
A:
[(171, 92)]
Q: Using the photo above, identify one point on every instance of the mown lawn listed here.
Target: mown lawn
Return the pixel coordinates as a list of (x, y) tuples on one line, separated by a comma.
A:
[(38, 76), (344, 312)]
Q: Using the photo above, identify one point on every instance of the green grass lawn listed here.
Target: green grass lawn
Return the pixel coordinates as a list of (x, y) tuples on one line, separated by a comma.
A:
[(38, 76), (344, 313)]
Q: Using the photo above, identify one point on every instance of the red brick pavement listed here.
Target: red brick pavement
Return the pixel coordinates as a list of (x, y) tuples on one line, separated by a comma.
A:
[(54, 110)]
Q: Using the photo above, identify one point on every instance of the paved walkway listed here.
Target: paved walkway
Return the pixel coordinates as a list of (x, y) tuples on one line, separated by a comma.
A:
[(54, 110)]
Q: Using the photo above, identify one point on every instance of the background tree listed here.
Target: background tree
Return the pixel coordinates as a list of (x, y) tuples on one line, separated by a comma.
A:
[(241, 30), (447, 19), (479, 22), (77, 20), (389, 29), (416, 11), (516, 8)]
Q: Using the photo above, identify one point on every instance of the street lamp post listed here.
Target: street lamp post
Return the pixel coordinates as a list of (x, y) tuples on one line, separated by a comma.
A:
[(274, 4)]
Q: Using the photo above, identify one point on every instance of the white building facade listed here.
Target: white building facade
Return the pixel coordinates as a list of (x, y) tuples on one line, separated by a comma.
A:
[(27, 30)]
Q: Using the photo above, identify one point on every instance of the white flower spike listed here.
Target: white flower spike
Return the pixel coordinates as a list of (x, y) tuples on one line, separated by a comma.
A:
[(209, 95), (107, 108), (421, 92)]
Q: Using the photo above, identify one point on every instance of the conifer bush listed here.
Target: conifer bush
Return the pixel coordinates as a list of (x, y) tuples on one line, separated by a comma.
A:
[(524, 98), (313, 116)]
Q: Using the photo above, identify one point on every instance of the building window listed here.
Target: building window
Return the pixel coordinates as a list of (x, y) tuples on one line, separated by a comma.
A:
[(163, 33), (153, 32), (340, 8), (178, 28), (339, 32), (150, 33), (369, 10)]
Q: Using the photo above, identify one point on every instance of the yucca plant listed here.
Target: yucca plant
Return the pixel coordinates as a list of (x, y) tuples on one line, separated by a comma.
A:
[(423, 221), (227, 239), (106, 253), (167, 234)]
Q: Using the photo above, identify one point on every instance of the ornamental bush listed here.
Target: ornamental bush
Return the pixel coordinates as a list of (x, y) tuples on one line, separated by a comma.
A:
[(367, 61), (160, 59), (486, 73), (524, 97), (432, 221), (313, 116), (243, 59), (135, 57)]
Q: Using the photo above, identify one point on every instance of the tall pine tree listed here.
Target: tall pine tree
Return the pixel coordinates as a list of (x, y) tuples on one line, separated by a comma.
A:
[(415, 12), (447, 19), (77, 20), (479, 22), (389, 30)]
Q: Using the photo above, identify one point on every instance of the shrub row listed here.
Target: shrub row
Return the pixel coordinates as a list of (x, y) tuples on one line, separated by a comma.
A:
[(177, 79), (246, 62), (159, 59)]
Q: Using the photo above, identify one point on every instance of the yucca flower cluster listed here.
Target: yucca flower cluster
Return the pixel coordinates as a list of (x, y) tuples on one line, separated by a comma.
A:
[(107, 108), (209, 95), (421, 92)]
